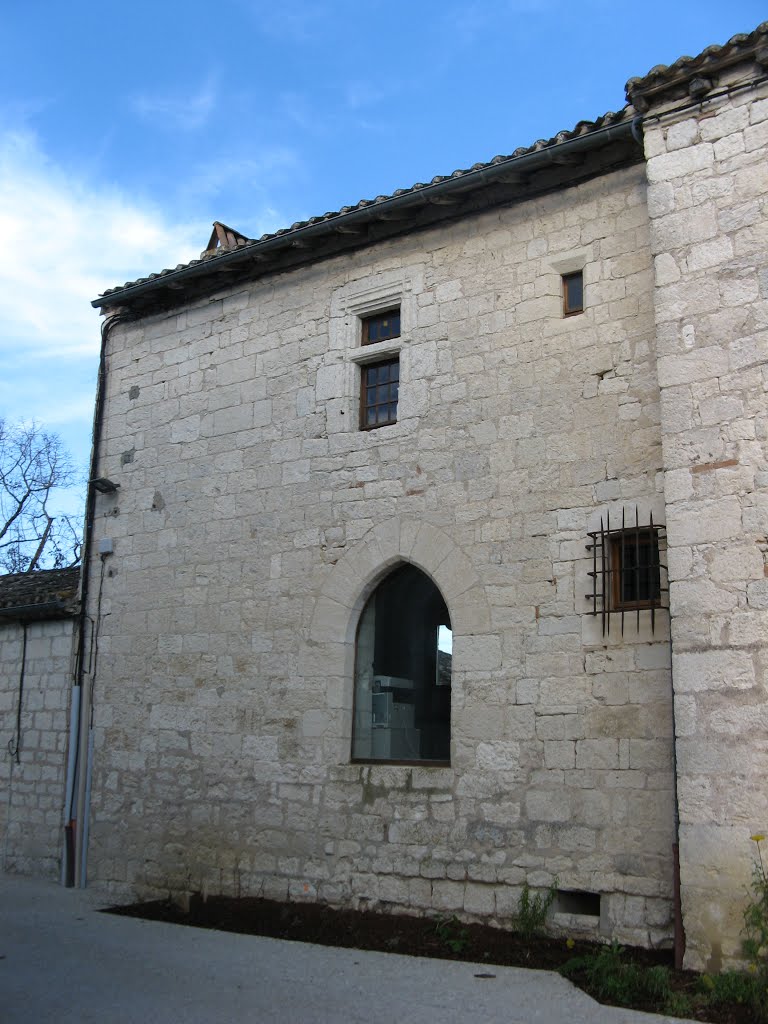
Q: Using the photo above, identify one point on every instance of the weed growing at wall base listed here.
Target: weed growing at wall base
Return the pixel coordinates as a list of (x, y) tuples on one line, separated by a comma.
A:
[(451, 934), (612, 979), (532, 910), (755, 932)]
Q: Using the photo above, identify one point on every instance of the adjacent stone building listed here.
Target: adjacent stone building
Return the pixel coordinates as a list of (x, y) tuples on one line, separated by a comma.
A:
[(38, 619), (437, 562)]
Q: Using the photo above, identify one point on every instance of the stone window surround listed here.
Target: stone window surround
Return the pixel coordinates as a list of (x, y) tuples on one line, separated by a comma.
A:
[(350, 583), (349, 305), (574, 263)]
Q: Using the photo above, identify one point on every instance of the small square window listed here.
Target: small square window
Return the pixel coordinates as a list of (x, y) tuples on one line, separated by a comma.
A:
[(634, 569), (378, 393), (573, 293), (381, 327)]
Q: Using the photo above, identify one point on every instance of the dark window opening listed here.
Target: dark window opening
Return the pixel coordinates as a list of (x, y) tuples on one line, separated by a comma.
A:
[(586, 904), (573, 293), (381, 327), (379, 393), (635, 576), (402, 703)]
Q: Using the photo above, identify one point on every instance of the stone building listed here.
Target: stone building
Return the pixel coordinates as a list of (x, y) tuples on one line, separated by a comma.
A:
[(437, 561), (38, 620)]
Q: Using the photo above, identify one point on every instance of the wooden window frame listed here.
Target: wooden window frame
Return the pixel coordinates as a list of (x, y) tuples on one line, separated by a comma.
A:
[(368, 321), (569, 310), (364, 406)]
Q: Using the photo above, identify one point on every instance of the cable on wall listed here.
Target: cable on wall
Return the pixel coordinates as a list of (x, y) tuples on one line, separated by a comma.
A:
[(14, 744)]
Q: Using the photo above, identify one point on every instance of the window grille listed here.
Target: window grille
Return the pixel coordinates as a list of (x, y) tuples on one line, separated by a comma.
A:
[(626, 570)]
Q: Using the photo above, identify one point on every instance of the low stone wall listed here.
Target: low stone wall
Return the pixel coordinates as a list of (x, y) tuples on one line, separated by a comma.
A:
[(33, 772)]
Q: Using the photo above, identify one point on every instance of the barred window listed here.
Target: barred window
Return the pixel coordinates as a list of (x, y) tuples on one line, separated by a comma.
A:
[(634, 567), (627, 571)]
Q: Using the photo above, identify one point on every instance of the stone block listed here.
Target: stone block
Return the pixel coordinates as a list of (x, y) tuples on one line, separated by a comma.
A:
[(680, 163), (447, 895), (548, 805), (560, 753), (712, 670), (477, 653), (500, 755), (683, 134), (597, 753)]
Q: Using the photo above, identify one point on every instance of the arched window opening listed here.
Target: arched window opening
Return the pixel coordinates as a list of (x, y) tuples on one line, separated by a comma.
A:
[(402, 708)]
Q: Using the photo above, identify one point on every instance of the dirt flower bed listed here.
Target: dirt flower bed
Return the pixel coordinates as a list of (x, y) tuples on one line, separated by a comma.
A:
[(618, 978)]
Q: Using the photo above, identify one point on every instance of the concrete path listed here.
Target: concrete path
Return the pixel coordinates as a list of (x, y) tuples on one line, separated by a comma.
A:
[(62, 961)]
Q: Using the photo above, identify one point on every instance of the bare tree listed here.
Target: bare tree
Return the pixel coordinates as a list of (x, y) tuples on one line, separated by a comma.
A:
[(33, 465)]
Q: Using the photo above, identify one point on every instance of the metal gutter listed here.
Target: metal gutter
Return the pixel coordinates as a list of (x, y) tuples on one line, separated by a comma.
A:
[(525, 164), (29, 612), (73, 853)]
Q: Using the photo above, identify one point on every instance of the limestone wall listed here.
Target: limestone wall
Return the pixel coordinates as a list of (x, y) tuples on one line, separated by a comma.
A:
[(708, 189), (32, 807), (254, 518)]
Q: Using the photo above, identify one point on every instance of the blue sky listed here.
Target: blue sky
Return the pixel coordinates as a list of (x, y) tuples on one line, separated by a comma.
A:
[(126, 129)]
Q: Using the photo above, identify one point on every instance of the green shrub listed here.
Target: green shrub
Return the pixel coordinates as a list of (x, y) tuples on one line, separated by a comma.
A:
[(612, 980), (451, 934), (729, 987)]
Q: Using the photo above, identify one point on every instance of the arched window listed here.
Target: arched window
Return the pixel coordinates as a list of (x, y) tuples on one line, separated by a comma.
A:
[(402, 709)]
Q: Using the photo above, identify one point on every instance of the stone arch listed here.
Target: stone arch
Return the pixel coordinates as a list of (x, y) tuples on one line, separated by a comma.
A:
[(328, 652), (358, 572)]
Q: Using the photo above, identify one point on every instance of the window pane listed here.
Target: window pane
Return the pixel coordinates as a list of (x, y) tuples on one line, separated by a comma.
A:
[(402, 708), (379, 393), (381, 327), (573, 293)]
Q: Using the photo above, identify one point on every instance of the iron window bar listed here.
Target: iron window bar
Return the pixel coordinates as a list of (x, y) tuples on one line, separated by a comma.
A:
[(626, 570)]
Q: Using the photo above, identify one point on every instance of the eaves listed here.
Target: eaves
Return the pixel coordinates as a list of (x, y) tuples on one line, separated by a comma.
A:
[(591, 150)]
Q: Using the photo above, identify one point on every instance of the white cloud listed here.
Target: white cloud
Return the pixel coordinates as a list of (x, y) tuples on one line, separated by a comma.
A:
[(185, 112), (249, 175), (65, 240)]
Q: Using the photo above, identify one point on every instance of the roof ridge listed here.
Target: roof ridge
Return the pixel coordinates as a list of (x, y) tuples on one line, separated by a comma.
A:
[(214, 252)]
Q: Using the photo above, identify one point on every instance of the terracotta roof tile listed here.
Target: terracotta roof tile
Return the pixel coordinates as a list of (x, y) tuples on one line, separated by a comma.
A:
[(581, 129), (713, 58), (54, 592)]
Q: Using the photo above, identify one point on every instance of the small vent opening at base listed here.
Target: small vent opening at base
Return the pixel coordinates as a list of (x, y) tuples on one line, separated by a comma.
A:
[(585, 904)]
